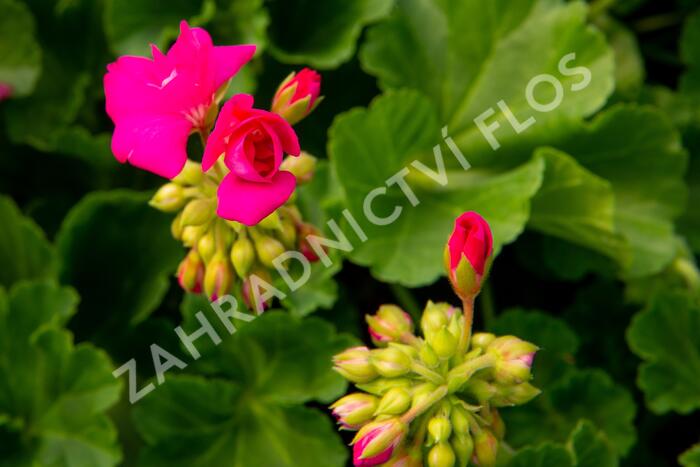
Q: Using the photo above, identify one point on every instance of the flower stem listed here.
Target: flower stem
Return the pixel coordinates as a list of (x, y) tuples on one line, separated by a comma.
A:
[(425, 404), (468, 315), (427, 373)]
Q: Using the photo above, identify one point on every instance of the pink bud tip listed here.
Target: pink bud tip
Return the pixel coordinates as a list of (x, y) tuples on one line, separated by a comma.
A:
[(471, 238)]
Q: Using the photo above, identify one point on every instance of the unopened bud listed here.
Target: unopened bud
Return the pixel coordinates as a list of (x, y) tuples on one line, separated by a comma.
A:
[(198, 212), (390, 362), (482, 391), (375, 442), (460, 420), (206, 246), (463, 446), (481, 340), (354, 364), (497, 425), (252, 297), (298, 95), (268, 249), (439, 428), (271, 222), (176, 227), (218, 278), (190, 273), (422, 392), (441, 455), (191, 174), (485, 448), (288, 234), (435, 317), (354, 410), (389, 324), (192, 233), (468, 254), (395, 402), (444, 343), (381, 386), (304, 246), (513, 359), (302, 166), (169, 198), (514, 394), (242, 255), (428, 356)]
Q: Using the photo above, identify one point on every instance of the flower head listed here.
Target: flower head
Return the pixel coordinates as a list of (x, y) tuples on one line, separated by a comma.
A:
[(298, 95), (468, 254), (253, 142), (156, 102)]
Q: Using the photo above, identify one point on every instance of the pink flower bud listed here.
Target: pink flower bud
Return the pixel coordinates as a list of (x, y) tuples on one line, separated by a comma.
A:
[(389, 324), (354, 410), (468, 254), (249, 295), (376, 442), (354, 365), (190, 273), (219, 277), (514, 358), (298, 95)]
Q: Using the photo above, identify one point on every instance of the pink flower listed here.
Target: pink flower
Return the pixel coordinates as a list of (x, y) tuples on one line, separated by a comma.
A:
[(375, 443), (254, 142), (5, 91), (298, 95), (156, 103), (468, 254)]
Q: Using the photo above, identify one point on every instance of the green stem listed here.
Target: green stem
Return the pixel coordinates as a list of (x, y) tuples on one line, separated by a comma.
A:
[(468, 315), (425, 404), (427, 373), (407, 301)]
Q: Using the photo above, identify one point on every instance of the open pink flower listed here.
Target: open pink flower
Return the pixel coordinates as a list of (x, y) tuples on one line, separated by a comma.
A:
[(254, 142), (156, 103)]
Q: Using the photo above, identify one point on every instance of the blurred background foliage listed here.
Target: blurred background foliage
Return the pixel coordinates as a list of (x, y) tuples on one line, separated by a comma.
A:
[(594, 211)]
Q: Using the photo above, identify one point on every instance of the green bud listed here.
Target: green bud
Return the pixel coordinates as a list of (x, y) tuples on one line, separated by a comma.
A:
[(390, 362), (434, 318), (440, 429), (354, 410), (268, 249), (441, 455), (192, 233), (516, 394), (198, 212), (206, 246), (288, 234), (482, 340), (354, 364), (218, 278), (421, 392), (381, 386), (242, 255), (482, 391), (302, 166), (485, 448), (428, 356), (395, 402), (169, 198), (463, 446), (271, 222), (460, 420), (389, 324), (497, 425), (176, 227), (444, 343), (191, 174), (190, 272)]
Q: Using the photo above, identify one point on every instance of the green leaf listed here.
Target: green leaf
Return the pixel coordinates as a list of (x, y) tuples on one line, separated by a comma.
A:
[(132, 26), (322, 34), (665, 336), (629, 64), (690, 51), (467, 57), (271, 365), (55, 394), (20, 54), (369, 146), (118, 252), (544, 455), (581, 395), (576, 205), (25, 253), (557, 342), (691, 457), (635, 148)]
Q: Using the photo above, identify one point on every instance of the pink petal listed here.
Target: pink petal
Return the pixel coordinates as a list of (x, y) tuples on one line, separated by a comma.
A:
[(250, 202), (228, 117), (153, 143), (228, 60)]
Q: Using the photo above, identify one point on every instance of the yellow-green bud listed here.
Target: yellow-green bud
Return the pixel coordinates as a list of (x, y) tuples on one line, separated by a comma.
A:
[(191, 234), (444, 343), (169, 198), (428, 356), (463, 446), (395, 402), (268, 249), (198, 212), (439, 428), (288, 234), (302, 166), (380, 386), (460, 420), (206, 246), (441, 455), (485, 448), (191, 174), (354, 364), (242, 255), (482, 340), (514, 394), (497, 425), (389, 324), (218, 278), (190, 273), (421, 392), (354, 410), (271, 222), (176, 227), (513, 359), (390, 362)]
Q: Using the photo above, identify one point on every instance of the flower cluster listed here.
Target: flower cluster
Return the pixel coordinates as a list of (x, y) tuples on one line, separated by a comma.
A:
[(434, 400), (236, 209)]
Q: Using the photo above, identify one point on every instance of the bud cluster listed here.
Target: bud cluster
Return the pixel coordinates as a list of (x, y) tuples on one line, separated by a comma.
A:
[(422, 401), (224, 254)]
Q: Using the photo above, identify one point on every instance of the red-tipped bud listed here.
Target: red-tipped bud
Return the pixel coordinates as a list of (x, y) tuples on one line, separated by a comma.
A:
[(389, 324), (219, 277), (304, 246), (354, 364), (514, 358), (376, 442), (298, 95), (468, 254), (5, 91), (354, 410), (190, 273), (485, 448)]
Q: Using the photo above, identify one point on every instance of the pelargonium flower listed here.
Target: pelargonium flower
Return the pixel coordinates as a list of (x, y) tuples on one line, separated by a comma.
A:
[(156, 103), (254, 142), (468, 254)]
